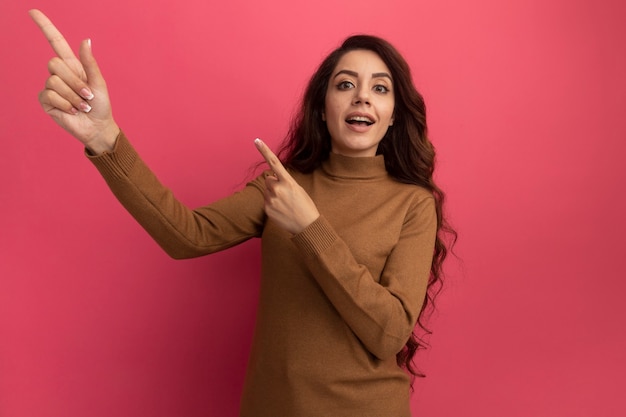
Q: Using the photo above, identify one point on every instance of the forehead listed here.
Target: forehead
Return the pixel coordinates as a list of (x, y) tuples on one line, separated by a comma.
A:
[(363, 62)]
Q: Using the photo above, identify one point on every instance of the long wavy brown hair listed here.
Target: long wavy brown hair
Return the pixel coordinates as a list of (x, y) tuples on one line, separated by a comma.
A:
[(409, 156)]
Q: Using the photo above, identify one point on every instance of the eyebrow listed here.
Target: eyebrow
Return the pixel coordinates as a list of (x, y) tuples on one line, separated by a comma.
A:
[(356, 74)]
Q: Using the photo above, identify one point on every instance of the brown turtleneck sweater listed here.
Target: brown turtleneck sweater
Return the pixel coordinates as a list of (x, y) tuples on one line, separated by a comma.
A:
[(338, 301)]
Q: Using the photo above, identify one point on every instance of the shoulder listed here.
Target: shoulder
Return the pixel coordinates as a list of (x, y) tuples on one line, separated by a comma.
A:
[(416, 192), (421, 202)]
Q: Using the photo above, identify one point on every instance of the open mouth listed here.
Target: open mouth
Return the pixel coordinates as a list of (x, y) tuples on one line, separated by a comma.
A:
[(360, 120)]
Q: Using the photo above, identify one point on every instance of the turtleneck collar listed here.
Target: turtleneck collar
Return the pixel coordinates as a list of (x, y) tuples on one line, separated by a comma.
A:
[(360, 168)]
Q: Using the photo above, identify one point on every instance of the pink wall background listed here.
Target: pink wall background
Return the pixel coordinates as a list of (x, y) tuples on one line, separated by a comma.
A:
[(526, 104)]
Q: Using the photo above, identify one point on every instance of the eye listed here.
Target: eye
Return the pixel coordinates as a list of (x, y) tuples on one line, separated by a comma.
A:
[(345, 85), (381, 89)]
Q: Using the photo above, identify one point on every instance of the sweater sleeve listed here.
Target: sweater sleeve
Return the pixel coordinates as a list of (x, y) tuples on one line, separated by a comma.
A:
[(179, 230), (381, 314)]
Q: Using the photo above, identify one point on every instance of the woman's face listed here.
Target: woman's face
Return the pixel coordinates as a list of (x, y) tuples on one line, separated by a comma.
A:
[(359, 103)]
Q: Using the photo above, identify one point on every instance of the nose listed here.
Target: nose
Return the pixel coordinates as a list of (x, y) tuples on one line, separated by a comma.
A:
[(361, 95)]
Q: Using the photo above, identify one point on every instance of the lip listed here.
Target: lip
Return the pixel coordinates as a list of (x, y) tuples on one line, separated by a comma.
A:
[(358, 127), (359, 114)]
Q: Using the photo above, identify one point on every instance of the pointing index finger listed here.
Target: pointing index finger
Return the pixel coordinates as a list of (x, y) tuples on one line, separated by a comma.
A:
[(271, 159), (56, 39)]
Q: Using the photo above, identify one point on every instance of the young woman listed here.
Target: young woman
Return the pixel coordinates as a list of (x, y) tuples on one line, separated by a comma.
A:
[(349, 216)]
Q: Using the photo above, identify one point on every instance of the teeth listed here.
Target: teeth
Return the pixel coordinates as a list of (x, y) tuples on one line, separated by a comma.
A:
[(360, 119)]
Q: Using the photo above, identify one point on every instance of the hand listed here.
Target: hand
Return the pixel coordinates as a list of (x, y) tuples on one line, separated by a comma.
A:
[(286, 203), (76, 95)]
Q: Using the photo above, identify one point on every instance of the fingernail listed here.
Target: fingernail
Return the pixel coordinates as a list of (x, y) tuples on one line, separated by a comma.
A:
[(85, 107), (258, 141), (86, 93)]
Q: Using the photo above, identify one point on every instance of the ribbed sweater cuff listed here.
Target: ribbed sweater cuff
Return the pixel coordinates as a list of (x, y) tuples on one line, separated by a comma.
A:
[(118, 162), (316, 238)]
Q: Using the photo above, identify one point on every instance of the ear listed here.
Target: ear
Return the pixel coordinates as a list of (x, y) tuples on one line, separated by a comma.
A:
[(323, 115), (391, 121)]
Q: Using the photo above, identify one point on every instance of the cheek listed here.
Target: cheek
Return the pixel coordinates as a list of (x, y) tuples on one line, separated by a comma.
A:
[(389, 110), (328, 105), (331, 112)]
